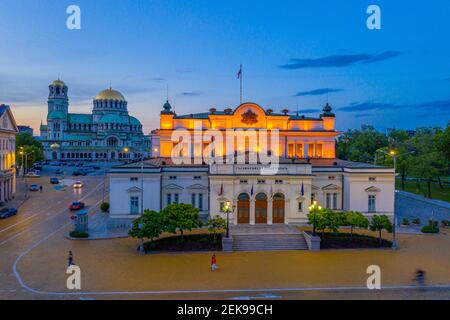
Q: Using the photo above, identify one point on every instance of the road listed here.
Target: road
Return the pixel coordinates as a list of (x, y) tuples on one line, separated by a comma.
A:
[(42, 214)]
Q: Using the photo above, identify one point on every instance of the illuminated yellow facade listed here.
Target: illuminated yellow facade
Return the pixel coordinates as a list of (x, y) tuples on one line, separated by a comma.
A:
[(8, 132), (299, 136)]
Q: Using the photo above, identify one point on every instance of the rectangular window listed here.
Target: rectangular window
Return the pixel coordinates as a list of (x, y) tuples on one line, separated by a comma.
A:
[(261, 181), (243, 182), (319, 150), (328, 201), (176, 198), (311, 150), (169, 198), (299, 150), (197, 177), (278, 181), (372, 207), (134, 179), (300, 206), (173, 178), (291, 151), (372, 179), (193, 199), (331, 178), (200, 201), (134, 205), (335, 201)]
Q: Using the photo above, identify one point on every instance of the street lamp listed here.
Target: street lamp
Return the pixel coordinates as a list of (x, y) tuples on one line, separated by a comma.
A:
[(314, 209), (227, 209), (393, 154)]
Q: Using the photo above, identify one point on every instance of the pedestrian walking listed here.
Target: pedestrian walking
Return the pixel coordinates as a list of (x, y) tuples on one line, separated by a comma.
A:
[(70, 259), (214, 265), (420, 279), (40, 188)]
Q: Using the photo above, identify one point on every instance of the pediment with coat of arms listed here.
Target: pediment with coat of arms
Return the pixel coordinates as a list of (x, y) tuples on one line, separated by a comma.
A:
[(249, 117)]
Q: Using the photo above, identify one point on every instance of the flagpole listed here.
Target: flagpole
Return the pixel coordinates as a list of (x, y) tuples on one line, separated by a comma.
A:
[(241, 83)]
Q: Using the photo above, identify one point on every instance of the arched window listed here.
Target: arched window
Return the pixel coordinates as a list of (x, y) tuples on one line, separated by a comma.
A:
[(112, 142)]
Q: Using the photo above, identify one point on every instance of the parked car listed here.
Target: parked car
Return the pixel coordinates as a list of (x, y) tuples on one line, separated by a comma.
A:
[(80, 172), (77, 205), (33, 187), (7, 212), (58, 171), (96, 167), (54, 180), (37, 167), (33, 174), (78, 184)]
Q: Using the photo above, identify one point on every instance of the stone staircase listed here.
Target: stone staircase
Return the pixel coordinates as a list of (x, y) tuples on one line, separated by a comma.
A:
[(269, 241)]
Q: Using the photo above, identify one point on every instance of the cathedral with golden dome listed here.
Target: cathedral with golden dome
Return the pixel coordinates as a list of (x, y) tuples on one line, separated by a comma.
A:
[(108, 133)]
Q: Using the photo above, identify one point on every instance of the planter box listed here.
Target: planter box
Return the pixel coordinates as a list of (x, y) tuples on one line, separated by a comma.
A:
[(313, 242)]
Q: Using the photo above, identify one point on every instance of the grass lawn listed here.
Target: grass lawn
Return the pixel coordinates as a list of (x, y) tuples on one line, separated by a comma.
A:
[(436, 192)]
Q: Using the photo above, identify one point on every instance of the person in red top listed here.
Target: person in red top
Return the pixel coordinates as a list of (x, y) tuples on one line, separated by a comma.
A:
[(214, 262)]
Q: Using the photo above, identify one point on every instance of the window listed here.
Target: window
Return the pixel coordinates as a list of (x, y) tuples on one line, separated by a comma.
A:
[(313, 197), (335, 201), (200, 201), (328, 200), (176, 198), (278, 181), (243, 182), (193, 199), (299, 151), (261, 181), (371, 205), (300, 206), (134, 205), (173, 178), (197, 178), (331, 178), (372, 179), (169, 198), (134, 179)]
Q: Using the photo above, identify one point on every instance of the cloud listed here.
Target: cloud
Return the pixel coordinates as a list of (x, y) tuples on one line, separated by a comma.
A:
[(435, 106), (190, 94), (310, 111), (342, 60), (316, 92), (362, 115)]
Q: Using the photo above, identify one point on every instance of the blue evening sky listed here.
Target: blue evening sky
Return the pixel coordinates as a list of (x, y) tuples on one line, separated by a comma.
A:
[(295, 55)]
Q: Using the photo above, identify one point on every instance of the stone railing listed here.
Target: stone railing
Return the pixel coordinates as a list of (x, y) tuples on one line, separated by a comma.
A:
[(313, 242)]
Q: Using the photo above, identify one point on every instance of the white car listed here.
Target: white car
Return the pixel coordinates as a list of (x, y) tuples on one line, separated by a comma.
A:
[(78, 184), (33, 175)]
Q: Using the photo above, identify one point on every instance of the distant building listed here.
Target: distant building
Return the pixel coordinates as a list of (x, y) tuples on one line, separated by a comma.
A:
[(108, 133), (8, 133), (25, 129)]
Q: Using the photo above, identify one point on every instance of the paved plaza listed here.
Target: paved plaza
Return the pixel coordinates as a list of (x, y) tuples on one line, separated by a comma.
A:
[(33, 255)]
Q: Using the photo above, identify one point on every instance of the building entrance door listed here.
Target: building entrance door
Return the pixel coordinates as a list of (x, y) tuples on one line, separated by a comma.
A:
[(261, 208), (278, 213), (243, 208)]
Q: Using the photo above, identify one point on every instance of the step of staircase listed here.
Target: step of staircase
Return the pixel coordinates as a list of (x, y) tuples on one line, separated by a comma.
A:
[(268, 242)]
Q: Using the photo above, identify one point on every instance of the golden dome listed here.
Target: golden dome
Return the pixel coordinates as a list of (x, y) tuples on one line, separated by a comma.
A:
[(110, 94), (58, 83)]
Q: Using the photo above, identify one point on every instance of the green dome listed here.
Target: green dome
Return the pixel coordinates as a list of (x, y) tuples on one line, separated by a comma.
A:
[(111, 118), (134, 121), (56, 115)]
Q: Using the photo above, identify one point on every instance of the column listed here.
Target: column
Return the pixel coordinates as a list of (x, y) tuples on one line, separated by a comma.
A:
[(252, 212), (305, 150), (2, 198), (269, 210)]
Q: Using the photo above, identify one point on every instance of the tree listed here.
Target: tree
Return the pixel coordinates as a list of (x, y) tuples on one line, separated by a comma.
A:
[(380, 223), (27, 144), (181, 217), (215, 225), (150, 225), (360, 145), (355, 220), (325, 219)]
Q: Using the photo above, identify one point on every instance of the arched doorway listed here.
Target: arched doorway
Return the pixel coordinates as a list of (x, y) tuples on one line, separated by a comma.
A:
[(261, 208), (243, 208), (278, 212)]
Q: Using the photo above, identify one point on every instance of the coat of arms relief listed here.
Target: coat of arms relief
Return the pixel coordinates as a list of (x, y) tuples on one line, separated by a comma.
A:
[(249, 117)]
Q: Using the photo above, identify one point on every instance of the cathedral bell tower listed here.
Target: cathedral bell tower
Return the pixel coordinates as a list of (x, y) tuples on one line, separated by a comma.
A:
[(58, 107)]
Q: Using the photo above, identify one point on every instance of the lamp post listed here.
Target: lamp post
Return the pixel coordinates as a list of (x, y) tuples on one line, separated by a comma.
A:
[(314, 209), (393, 154), (227, 209)]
